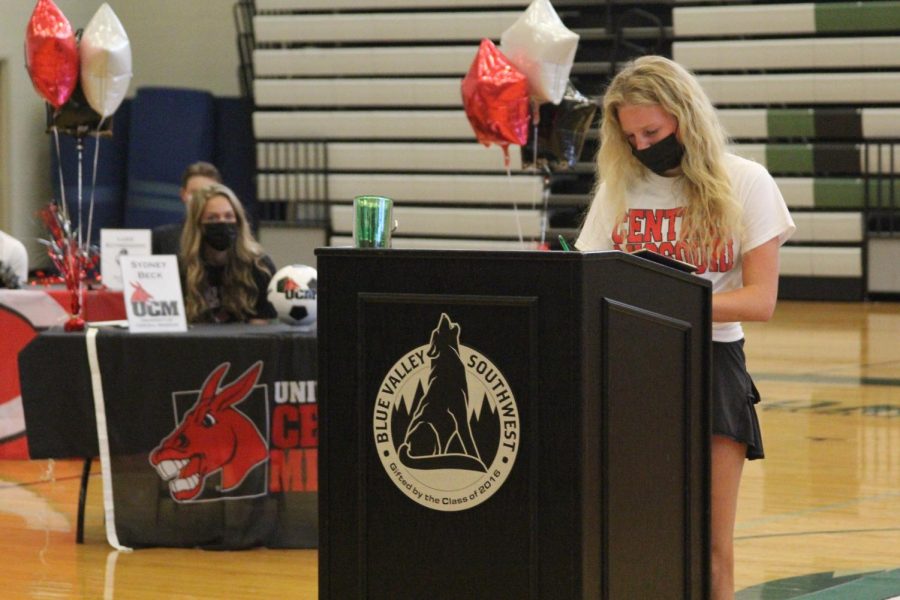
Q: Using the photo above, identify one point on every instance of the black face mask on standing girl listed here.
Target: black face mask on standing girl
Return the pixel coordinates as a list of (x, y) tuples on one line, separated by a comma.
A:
[(220, 236), (664, 155)]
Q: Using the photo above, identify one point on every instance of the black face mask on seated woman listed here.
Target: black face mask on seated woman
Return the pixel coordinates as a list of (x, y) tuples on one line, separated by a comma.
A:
[(664, 155), (220, 236)]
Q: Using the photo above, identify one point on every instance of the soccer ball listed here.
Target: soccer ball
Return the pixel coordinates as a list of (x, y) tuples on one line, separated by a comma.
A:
[(292, 292)]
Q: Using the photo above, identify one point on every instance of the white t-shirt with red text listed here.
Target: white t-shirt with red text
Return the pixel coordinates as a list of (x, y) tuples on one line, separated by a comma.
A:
[(653, 221)]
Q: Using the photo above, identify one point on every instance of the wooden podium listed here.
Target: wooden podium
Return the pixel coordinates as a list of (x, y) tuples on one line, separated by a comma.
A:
[(512, 425)]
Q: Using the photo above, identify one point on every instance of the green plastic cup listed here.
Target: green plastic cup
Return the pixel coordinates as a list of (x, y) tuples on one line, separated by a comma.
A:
[(373, 223)]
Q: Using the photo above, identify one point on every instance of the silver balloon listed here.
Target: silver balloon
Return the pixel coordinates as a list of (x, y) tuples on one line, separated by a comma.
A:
[(542, 48), (105, 54)]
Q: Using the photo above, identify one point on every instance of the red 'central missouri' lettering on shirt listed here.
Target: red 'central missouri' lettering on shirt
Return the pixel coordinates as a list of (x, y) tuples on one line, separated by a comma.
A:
[(657, 231)]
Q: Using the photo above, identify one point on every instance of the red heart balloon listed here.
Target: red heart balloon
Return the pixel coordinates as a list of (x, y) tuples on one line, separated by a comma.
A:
[(495, 98), (51, 53)]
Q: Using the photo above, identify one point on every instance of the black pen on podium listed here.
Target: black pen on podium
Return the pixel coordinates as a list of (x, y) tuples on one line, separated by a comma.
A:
[(564, 244)]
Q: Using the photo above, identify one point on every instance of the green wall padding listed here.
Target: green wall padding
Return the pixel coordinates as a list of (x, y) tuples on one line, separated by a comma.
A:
[(857, 16), (791, 122), (790, 158), (838, 193)]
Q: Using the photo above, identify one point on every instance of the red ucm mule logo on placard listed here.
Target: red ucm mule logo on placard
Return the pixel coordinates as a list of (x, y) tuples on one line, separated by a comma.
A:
[(446, 424), (143, 304), (214, 436)]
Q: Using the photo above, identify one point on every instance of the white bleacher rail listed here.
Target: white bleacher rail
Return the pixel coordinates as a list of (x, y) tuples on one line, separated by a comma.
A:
[(369, 61), (389, 27), (787, 54), (803, 88), (388, 92), (368, 5)]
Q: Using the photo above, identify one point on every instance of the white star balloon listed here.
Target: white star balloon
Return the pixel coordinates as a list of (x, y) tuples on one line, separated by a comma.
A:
[(105, 54), (542, 48)]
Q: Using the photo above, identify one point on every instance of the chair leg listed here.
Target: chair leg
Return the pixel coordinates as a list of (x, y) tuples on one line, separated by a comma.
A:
[(82, 497)]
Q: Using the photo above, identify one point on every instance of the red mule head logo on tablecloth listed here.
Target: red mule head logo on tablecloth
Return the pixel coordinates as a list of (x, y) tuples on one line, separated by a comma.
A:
[(214, 436)]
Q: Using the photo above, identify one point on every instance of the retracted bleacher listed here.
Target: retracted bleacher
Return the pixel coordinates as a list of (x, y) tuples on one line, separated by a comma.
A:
[(811, 91), (363, 96)]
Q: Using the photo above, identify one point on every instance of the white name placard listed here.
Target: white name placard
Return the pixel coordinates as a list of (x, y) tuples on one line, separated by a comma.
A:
[(115, 243), (152, 291)]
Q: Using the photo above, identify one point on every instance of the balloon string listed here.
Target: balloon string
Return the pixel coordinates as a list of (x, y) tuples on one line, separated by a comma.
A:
[(515, 208), (79, 146), (519, 225), (536, 119), (545, 212), (59, 169), (93, 186)]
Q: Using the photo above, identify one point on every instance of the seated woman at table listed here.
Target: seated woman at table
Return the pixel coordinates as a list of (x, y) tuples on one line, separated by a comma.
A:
[(224, 271)]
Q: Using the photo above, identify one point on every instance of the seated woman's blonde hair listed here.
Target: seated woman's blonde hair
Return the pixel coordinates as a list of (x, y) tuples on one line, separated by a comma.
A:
[(239, 287)]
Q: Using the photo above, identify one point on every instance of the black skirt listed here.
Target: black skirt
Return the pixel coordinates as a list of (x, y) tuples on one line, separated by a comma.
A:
[(734, 397)]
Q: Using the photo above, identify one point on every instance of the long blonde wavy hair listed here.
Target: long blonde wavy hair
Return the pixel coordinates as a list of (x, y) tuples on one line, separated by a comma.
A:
[(712, 213), (239, 290)]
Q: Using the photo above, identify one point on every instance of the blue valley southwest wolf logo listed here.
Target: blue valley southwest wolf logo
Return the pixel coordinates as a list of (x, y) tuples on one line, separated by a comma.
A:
[(446, 424)]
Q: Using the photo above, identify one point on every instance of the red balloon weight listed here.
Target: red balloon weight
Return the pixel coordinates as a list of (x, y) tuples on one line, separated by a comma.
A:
[(51, 53), (495, 97), (74, 324)]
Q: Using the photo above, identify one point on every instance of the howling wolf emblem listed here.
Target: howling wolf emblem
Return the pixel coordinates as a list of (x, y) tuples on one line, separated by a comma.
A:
[(439, 435), (213, 436)]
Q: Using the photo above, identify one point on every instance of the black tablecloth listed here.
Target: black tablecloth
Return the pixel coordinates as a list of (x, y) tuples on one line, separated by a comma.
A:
[(253, 450)]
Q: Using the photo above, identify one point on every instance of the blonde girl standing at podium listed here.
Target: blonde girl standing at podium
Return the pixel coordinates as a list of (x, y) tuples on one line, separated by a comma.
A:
[(666, 183), (225, 273)]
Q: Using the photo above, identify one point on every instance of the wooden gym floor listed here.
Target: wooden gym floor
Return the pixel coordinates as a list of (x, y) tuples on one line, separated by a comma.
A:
[(819, 518)]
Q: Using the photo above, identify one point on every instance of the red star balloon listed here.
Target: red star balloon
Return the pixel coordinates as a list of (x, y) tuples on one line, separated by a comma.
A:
[(495, 98), (51, 53)]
